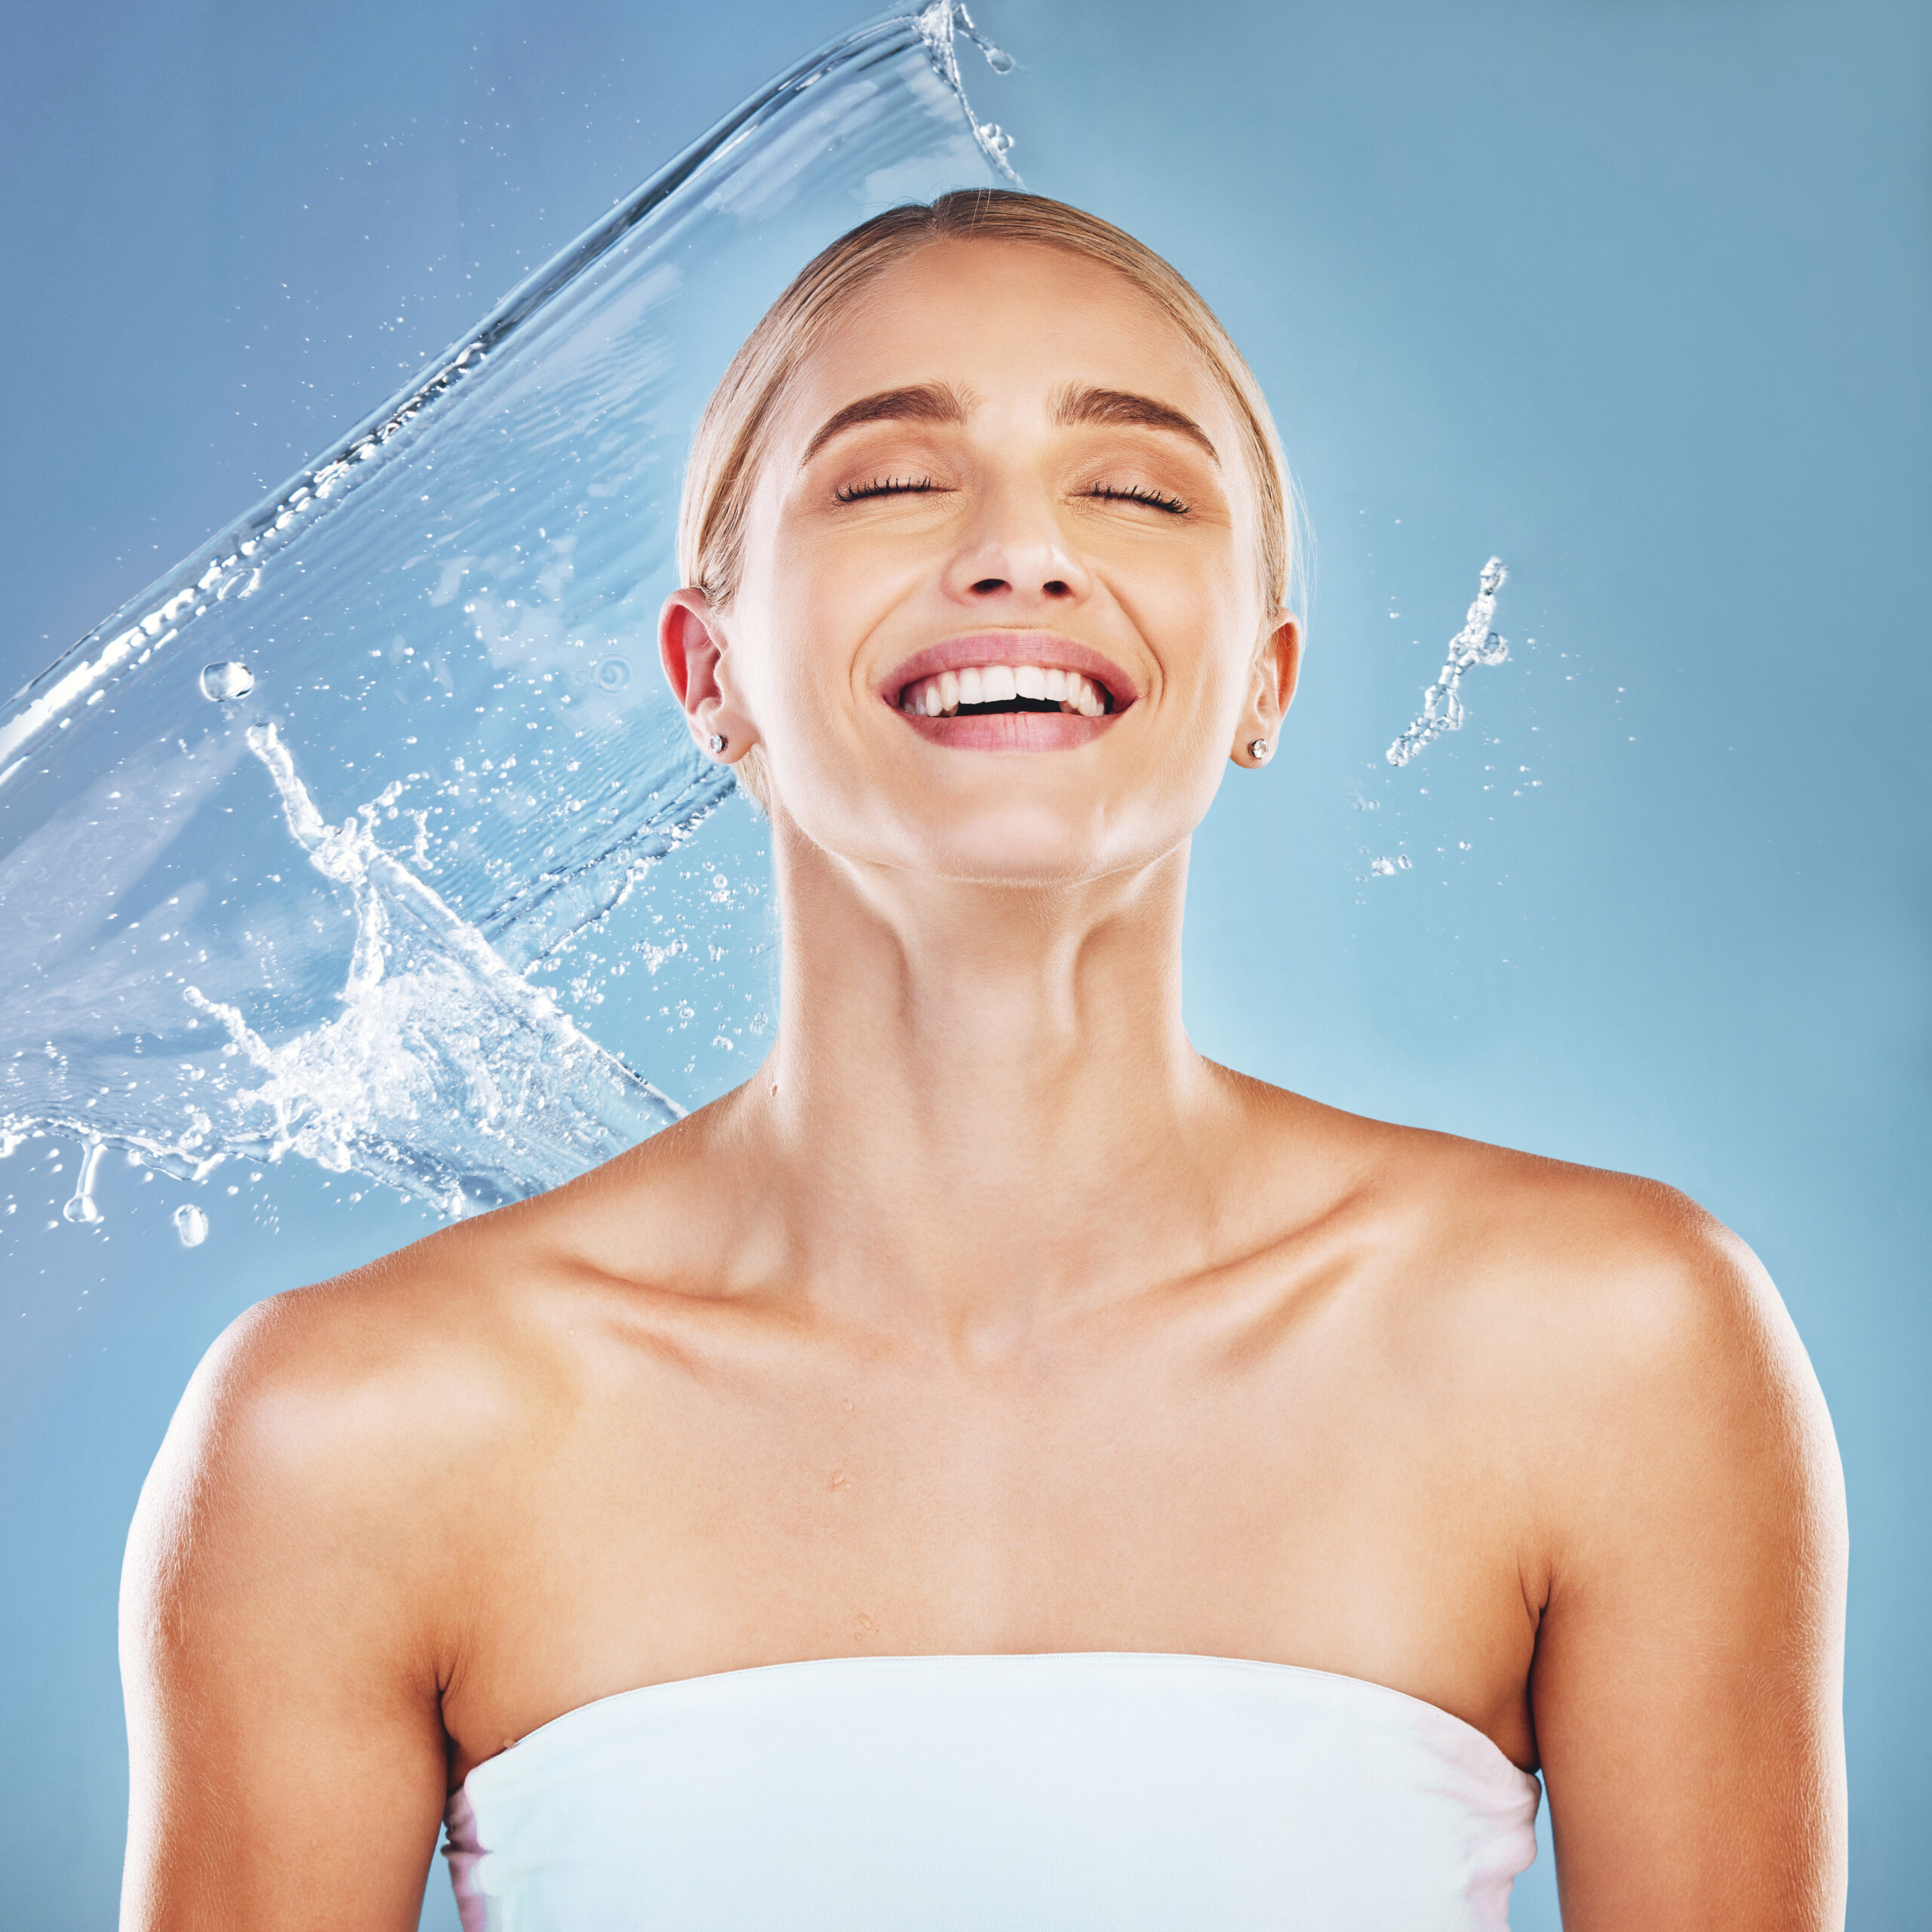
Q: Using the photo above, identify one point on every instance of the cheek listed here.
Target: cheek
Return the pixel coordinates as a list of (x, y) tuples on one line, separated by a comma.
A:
[(1204, 619), (822, 594), (801, 614), (785, 607)]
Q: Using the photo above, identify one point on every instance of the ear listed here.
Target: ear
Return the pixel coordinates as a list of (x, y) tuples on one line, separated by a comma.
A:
[(691, 643), (1276, 667)]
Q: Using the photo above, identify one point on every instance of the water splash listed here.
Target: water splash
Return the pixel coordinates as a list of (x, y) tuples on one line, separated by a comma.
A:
[(1475, 644), (501, 1085), (289, 846), (941, 23)]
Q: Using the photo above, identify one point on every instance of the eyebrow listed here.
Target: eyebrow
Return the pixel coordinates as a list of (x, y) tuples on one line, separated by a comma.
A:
[(924, 402), (1086, 403)]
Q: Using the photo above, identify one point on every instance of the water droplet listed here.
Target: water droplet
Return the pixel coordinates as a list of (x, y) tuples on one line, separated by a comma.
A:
[(191, 1224), (230, 678), (840, 1480), (1382, 867), (999, 60), (84, 1208)]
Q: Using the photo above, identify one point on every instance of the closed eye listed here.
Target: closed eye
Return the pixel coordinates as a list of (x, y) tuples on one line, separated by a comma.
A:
[(884, 486), (1136, 492)]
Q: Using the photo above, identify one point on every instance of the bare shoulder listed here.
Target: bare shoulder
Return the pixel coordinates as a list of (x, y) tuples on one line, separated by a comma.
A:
[(1619, 1295), (1577, 1275), (1623, 1336), (368, 1411), (362, 1364), (1632, 1345), (1647, 1424), (294, 1598), (322, 1423)]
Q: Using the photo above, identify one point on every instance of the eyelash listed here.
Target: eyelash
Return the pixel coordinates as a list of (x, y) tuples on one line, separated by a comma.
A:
[(884, 486), (1155, 499), (906, 486)]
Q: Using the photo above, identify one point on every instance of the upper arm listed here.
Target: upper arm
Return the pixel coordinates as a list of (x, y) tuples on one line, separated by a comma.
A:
[(1686, 1688), (287, 1755)]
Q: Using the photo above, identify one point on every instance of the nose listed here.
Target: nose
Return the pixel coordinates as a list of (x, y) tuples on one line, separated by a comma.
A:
[(1015, 564)]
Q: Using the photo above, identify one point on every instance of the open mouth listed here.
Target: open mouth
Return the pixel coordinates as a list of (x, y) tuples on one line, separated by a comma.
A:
[(1009, 690), (987, 690)]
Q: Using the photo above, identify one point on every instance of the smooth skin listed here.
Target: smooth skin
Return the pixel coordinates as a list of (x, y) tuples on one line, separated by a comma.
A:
[(990, 1317)]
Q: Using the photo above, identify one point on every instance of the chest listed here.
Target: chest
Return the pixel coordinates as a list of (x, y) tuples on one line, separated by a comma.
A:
[(738, 1512)]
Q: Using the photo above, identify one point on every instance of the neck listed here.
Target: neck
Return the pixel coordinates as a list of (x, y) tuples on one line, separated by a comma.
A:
[(983, 1095)]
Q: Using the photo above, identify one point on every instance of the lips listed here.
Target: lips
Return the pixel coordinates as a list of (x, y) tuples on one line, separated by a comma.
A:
[(1009, 690)]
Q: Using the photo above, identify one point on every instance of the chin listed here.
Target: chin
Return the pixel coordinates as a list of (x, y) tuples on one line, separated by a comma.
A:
[(1018, 845)]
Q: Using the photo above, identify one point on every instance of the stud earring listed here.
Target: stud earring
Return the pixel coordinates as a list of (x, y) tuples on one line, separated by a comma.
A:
[(716, 742), (1259, 748)]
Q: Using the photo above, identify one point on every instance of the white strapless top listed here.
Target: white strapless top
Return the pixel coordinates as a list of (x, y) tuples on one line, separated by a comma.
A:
[(1057, 1793)]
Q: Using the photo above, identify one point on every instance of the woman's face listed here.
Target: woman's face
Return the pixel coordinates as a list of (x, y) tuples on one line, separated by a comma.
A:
[(998, 619)]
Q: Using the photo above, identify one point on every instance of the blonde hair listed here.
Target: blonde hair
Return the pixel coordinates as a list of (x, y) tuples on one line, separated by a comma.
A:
[(731, 434)]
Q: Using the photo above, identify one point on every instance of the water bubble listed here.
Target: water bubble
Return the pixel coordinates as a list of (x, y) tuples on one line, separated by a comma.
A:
[(191, 1224), (614, 674), (229, 678), (1382, 867), (999, 60)]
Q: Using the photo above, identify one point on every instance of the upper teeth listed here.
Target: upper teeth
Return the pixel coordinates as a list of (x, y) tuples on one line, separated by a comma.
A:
[(997, 683)]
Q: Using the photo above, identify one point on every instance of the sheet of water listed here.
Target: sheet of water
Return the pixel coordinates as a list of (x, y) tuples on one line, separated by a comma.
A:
[(332, 843)]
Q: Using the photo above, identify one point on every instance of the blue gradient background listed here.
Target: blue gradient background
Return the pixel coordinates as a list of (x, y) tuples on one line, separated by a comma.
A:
[(1633, 292)]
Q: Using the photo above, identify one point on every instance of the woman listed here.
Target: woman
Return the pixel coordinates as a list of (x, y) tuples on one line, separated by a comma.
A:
[(1170, 1502)]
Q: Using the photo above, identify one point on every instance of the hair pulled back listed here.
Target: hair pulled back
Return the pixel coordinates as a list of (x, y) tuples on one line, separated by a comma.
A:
[(732, 433)]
